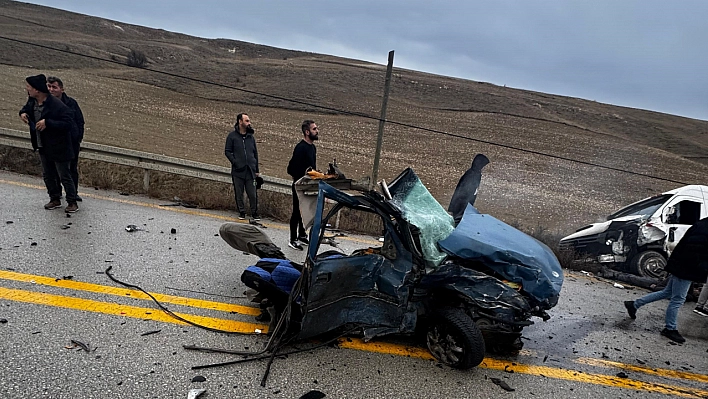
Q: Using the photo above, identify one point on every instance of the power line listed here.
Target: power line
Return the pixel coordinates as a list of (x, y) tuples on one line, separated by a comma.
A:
[(340, 111)]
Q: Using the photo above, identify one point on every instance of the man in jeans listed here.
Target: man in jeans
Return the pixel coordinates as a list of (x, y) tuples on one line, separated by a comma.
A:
[(688, 262), (49, 121), (241, 151)]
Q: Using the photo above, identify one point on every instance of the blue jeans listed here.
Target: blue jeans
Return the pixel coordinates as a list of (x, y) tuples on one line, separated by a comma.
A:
[(676, 290)]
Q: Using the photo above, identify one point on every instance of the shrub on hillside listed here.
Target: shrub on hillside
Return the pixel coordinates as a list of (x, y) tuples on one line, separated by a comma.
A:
[(137, 59)]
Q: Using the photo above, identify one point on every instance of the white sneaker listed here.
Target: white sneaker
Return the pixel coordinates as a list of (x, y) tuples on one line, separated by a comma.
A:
[(295, 245)]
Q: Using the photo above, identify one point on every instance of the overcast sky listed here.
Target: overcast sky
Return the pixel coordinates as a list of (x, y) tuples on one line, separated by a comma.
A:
[(646, 54)]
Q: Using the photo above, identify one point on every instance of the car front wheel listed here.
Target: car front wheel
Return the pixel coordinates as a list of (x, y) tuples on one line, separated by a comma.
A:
[(649, 264), (454, 339)]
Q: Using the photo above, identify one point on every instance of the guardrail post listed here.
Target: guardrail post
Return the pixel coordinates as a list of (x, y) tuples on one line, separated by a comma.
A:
[(146, 181)]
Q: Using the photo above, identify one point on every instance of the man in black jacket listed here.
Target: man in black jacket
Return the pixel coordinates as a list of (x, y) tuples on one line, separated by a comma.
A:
[(50, 130), (56, 88), (304, 157), (242, 153), (688, 262)]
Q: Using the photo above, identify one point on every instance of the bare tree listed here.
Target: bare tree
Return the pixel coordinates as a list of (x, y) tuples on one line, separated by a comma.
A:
[(137, 59)]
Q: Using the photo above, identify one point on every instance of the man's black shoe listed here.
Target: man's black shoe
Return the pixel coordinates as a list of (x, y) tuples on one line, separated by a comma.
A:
[(304, 240), (256, 217), (631, 309), (79, 199), (701, 311), (673, 335), (242, 216), (264, 316), (295, 245)]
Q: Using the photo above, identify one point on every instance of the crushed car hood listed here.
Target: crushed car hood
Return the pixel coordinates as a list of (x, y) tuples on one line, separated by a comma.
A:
[(513, 254)]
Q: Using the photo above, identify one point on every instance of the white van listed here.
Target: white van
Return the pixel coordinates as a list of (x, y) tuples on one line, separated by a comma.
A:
[(640, 237)]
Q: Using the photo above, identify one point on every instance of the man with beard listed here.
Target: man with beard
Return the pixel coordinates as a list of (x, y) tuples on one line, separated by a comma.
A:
[(56, 88), (242, 153), (304, 157), (50, 130)]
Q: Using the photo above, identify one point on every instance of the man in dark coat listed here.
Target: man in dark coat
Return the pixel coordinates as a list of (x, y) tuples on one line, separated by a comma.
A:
[(50, 130), (304, 157), (56, 88), (687, 263), (241, 151)]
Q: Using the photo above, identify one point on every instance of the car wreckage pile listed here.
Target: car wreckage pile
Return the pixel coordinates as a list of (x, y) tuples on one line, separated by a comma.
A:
[(465, 281)]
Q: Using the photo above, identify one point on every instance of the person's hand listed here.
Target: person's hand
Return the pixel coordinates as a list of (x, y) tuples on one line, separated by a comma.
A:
[(24, 118), (258, 175), (41, 125)]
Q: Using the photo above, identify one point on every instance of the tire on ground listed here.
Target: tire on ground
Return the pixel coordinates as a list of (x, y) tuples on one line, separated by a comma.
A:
[(648, 264), (454, 339)]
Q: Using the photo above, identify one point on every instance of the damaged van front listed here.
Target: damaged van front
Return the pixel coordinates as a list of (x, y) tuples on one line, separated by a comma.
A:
[(640, 237)]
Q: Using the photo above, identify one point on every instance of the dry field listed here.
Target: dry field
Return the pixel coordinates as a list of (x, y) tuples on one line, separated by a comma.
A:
[(149, 111)]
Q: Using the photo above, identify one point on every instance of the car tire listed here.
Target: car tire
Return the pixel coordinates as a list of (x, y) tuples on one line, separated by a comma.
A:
[(649, 264), (454, 339)]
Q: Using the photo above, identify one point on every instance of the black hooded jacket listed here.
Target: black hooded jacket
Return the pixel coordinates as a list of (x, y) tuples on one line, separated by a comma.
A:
[(689, 260), (56, 137), (242, 153)]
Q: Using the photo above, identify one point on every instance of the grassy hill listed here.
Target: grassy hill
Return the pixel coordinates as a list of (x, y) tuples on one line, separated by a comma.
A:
[(147, 110)]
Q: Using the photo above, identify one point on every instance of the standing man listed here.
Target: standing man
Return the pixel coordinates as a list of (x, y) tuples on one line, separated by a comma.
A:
[(56, 88), (242, 153), (688, 262), (304, 157), (49, 121)]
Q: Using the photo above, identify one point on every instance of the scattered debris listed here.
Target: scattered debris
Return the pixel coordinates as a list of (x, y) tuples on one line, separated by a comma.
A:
[(641, 361), (502, 384), (617, 285), (622, 374), (173, 231), (79, 344), (256, 223), (198, 378), (67, 277), (131, 228), (34, 244), (65, 226), (3, 321), (124, 193), (194, 393), (68, 215), (150, 333), (9, 222)]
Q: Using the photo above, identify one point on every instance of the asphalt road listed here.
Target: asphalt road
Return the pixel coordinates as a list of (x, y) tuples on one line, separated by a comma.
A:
[(53, 289)]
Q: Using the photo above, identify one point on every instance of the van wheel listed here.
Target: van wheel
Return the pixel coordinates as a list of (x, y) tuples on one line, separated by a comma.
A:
[(454, 339), (649, 264)]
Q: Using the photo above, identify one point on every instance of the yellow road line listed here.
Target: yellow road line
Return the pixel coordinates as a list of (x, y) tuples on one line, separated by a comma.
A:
[(646, 370), (123, 292), (550, 372), (88, 305), (178, 210)]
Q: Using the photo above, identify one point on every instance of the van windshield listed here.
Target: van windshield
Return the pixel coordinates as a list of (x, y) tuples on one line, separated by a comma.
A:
[(645, 207)]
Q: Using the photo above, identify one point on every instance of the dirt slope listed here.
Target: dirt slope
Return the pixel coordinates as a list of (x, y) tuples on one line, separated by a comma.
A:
[(149, 111)]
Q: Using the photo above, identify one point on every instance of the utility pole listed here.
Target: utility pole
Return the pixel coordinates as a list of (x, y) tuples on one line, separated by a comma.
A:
[(382, 121)]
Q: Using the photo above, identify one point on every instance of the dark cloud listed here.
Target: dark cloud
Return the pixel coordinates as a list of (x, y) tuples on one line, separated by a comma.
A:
[(648, 54)]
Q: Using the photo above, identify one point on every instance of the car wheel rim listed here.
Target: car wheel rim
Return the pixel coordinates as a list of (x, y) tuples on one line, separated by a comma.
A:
[(444, 347), (654, 267)]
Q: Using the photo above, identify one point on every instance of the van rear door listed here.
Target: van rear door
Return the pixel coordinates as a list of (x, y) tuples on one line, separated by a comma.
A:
[(679, 214)]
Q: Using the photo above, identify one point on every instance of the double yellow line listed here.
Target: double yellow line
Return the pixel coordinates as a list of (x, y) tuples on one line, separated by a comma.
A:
[(70, 302)]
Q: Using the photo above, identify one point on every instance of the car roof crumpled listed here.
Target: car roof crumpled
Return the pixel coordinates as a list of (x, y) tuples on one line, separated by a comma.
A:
[(513, 254)]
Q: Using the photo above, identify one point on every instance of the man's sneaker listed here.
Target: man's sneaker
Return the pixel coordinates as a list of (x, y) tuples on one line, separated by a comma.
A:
[(701, 310), (673, 335), (631, 309), (304, 240), (242, 216), (255, 216), (79, 199), (71, 208), (295, 245), (53, 204)]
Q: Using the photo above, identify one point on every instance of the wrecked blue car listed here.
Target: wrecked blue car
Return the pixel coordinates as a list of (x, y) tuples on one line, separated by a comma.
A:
[(466, 282)]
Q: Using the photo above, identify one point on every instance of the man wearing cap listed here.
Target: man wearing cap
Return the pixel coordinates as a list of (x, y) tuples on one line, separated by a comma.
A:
[(241, 151), (50, 124), (56, 88)]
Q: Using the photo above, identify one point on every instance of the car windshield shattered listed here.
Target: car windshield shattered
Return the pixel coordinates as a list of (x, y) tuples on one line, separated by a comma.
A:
[(465, 281)]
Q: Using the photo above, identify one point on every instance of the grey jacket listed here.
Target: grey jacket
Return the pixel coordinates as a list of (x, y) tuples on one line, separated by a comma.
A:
[(242, 153)]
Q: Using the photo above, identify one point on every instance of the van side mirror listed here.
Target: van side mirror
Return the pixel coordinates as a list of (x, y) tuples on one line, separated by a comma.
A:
[(671, 217)]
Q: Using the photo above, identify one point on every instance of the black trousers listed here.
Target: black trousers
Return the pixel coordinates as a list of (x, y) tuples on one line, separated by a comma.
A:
[(296, 227), (247, 184)]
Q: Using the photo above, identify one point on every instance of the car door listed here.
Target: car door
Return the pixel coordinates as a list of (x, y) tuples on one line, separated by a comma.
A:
[(679, 215)]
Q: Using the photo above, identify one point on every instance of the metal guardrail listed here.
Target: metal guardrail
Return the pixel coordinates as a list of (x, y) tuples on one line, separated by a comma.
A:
[(148, 162)]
